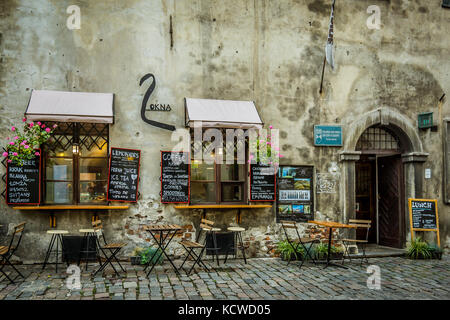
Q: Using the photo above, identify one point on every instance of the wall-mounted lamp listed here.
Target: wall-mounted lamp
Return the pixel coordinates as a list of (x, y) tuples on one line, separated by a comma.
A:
[(76, 148)]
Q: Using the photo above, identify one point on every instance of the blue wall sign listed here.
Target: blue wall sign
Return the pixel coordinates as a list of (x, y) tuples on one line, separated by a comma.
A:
[(327, 135)]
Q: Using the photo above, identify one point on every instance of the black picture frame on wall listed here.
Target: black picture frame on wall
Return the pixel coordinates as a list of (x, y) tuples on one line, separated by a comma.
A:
[(295, 193)]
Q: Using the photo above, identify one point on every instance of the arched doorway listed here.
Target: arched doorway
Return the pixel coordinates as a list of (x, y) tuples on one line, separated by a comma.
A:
[(379, 186), (389, 142)]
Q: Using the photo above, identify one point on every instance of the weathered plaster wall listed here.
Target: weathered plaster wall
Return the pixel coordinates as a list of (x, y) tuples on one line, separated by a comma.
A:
[(270, 52)]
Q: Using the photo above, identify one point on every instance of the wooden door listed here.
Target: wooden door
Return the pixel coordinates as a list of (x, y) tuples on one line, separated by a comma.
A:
[(365, 197), (391, 222)]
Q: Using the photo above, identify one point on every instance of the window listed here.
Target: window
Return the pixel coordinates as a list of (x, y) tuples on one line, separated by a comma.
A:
[(446, 3), (76, 164), (376, 138), (219, 183)]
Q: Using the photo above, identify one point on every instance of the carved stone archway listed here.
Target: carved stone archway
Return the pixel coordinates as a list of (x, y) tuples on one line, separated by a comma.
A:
[(413, 156)]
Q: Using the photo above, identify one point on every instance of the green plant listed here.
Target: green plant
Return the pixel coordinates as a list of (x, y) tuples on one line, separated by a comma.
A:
[(23, 146), (321, 250), (287, 251), (436, 251), (137, 252), (419, 249), (148, 253)]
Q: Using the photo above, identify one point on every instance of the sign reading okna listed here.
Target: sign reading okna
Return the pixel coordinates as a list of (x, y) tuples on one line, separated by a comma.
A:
[(328, 135)]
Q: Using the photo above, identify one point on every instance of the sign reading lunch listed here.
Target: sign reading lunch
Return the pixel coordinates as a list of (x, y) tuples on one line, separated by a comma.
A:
[(123, 174), (23, 182), (174, 177), (423, 214)]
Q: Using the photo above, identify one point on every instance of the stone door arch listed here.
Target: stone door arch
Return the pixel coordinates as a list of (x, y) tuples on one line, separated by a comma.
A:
[(413, 156)]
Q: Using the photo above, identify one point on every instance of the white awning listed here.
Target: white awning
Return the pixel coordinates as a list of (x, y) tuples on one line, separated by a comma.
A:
[(222, 113), (46, 105)]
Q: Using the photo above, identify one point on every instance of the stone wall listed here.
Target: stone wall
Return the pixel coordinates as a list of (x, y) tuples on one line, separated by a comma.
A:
[(270, 52)]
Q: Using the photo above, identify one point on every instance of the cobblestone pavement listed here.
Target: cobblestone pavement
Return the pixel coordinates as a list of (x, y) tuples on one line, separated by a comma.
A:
[(401, 278)]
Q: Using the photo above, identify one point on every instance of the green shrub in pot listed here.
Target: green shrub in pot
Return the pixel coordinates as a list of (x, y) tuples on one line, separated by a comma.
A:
[(287, 252), (419, 249)]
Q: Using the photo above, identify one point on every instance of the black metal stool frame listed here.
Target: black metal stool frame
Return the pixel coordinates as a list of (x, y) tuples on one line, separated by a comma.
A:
[(58, 239), (87, 236), (238, 243), (160, 243)]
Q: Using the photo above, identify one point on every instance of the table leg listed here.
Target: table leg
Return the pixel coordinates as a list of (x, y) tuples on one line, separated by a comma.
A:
[(163, 249)]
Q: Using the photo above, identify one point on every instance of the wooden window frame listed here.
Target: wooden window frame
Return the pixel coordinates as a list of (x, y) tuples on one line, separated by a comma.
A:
[(76, 163), (218, 183)]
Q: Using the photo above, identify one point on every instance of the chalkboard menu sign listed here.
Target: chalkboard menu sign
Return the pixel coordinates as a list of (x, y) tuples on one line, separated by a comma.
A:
[(262, 183), (447, 161), (423, 216), (123, 174), (175, 179), (295, 199), (23, 183), (423, 213)]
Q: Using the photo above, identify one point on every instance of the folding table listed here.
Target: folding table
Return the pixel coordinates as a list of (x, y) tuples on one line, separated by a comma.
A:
[(331, 225), (166, 233)]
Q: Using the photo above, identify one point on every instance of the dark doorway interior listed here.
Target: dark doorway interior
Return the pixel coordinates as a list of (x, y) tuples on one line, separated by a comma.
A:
[(380, 187), (365, 195)]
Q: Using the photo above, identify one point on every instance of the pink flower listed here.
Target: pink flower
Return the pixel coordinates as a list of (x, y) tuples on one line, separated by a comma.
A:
[(9, 161), (281, 156), (13, 128), (31, 124), (55, 125), (43, 126), (16, 137), (269, 143), (39, 123), (270, 127), (36, 153), (47, 129), (8, 138), (15, 154), (26, 147), (24, 119), (11, 143), (22, 143), (5, 154)]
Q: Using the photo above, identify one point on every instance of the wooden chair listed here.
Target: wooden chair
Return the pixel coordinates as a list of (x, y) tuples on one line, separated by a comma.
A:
[(191, 246), (111, 248), (299, 241), (365, 224), (206, 227), (6, 252)]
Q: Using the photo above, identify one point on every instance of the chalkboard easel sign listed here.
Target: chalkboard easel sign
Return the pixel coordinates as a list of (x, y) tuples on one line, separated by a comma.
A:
[(423, 216), (123, 177), (262, 183), (23, 183), (175, 177)]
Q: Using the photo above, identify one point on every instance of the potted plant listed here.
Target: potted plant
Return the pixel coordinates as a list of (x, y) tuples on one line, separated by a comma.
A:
[(419, 249), (136, 255), (149, 253), (24, 144), (436, 251), (287, 252), (321, 252)]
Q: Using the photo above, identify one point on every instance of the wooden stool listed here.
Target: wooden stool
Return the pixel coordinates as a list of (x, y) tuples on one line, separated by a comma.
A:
[(56, 237), (239, 244), (87, 235)]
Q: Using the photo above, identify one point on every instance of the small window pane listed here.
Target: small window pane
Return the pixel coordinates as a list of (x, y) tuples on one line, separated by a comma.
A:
[(203, 192), (94, 152), (93, 191), (232, 172), (60, 153), (202, 171), (59, 169), (231, 192), (58, 192), (93, 169)]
